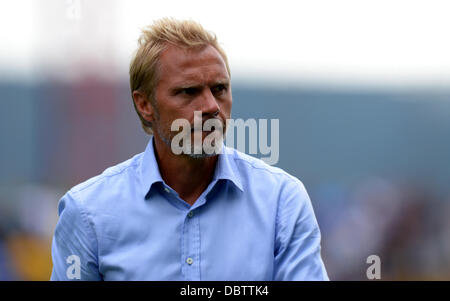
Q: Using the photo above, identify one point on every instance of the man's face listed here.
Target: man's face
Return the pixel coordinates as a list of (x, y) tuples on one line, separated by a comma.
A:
[(190, 80)]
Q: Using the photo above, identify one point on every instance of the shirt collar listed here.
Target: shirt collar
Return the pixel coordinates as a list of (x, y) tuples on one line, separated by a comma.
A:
[(149, 169), (226, 168)]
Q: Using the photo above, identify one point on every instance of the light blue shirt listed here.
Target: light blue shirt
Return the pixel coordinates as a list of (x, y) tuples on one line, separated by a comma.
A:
[(254, 222)]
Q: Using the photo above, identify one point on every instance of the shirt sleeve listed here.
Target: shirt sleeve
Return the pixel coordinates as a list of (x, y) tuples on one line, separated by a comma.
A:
[(297, 245), (74, 245)]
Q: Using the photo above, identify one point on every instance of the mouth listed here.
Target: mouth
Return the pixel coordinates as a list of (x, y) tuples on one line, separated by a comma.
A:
[(213, 129), (203, 132)]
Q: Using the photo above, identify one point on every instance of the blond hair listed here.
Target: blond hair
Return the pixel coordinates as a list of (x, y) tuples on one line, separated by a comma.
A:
[(153, 40)]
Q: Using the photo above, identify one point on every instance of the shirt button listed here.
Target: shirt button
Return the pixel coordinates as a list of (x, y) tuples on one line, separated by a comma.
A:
[(167, 189), (189, 261), (191, 213)]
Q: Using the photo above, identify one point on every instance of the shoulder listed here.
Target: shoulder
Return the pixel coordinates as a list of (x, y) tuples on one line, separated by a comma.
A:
[(255, 170), (111, 181)]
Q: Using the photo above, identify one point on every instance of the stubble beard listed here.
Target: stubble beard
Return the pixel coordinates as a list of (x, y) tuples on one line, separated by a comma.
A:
[(167, 136)]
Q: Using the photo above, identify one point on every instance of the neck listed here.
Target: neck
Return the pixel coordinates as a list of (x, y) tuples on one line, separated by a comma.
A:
[(188, 176)]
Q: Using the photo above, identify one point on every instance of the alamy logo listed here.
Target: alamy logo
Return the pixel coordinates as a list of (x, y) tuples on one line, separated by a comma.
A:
[(73, 271), (235, 131), (374, 270)]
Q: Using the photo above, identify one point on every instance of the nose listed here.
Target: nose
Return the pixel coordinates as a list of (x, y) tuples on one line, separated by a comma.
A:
[(209, 105)]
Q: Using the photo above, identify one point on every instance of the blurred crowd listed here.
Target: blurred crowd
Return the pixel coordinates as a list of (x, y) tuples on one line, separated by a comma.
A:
[(28, 215), (404, 224), (335, 142)]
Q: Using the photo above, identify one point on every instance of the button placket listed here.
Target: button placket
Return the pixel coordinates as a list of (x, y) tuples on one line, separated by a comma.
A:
[(191, 264)]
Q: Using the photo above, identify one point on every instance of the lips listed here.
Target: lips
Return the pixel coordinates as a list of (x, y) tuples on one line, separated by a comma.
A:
[(213, 128)]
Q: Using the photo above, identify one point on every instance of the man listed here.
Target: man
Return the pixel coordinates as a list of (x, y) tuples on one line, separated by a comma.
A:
[(167, 216)]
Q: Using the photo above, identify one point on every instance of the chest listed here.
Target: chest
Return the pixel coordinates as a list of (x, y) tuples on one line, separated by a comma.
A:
[(203, 244)]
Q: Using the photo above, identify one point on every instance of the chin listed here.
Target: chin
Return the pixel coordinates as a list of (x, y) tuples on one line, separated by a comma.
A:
[(201, 156)]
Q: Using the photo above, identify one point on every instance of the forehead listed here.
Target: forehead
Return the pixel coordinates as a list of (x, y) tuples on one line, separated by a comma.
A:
[(180, 65)]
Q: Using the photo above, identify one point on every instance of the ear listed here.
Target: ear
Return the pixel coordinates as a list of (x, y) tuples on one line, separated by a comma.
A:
[(144, 106)]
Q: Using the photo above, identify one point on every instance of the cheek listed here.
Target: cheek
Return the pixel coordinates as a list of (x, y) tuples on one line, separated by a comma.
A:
[(226, 107), (170, 115)]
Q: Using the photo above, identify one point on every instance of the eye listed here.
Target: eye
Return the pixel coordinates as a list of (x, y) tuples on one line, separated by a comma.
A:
[(218, 89), (188, 91)]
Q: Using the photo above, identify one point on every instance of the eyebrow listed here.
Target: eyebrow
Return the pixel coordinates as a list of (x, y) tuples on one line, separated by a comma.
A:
[(187, 84)]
